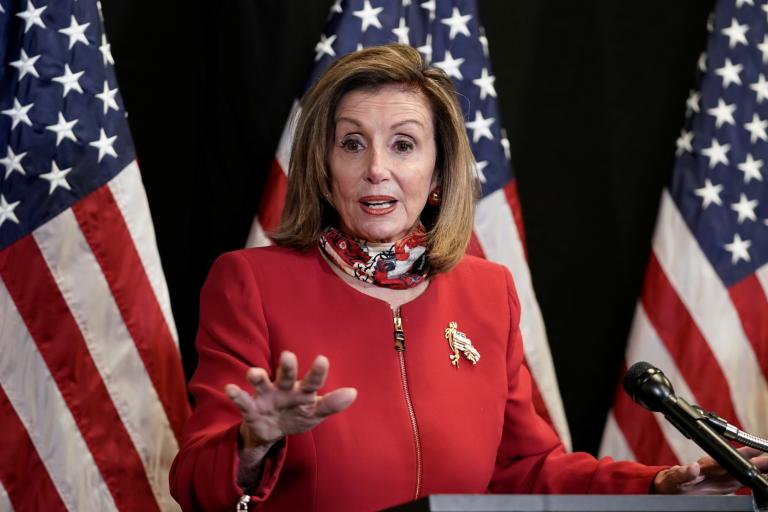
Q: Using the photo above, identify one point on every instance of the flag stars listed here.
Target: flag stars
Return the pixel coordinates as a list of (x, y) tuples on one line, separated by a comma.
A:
[(26, 65), (56, 178), (75, 32), (756, 129), (369, 16), (479, 167), (709, 194), (104, 144), (761, 88), (69, 80), (336, 7), (692, 103), (717, 153), (6, 211), (481, 127), (763, 47), (736, 34), (729, 73), (751, 169), (684, 142), (739, 3), (401, 31), (63, 129), (739, 249), (702, 62), (745, 208), (107, 96), (12, 162), (483, 41), (426, 49), (19, 113), (431, 7), (458, 23), (451, 66), (723, 113), (485, 83), (32, 16), (324, 47), (505, 145), (106, 51)]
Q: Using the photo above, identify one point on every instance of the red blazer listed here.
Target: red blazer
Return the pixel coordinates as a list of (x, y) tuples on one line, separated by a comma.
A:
[(418, 421)]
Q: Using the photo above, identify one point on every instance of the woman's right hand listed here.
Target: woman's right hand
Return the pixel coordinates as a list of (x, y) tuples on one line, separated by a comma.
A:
[(286, 406)]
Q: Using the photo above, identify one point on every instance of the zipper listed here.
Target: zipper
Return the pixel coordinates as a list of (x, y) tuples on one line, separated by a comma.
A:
[(399, 336)]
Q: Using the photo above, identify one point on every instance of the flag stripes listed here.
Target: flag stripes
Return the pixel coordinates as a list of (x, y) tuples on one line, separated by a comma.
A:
[(45, 414)]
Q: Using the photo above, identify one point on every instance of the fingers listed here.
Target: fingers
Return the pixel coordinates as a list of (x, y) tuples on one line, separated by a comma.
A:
[(315, 377), (241, 399), (335, 401), (259, 379), (286, 371)]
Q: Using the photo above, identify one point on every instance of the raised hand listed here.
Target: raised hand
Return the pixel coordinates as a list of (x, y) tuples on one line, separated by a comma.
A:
[(705, 476), (286, 406)]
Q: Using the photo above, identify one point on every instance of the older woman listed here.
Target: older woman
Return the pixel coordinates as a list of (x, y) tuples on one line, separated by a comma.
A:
[(370, 271)]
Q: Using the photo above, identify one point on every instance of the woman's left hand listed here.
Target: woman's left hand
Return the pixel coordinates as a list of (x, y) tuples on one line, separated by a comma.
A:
[(705, 476)]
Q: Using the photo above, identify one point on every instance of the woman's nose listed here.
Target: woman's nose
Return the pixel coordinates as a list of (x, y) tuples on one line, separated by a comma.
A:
[(378, 166)]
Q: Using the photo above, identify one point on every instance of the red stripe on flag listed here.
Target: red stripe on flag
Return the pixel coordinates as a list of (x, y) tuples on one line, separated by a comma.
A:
[(273, 198), (538, 401), (138, 305), (752, 307), (685, 342), (22, 472), (474, 248), (510, 191), (641, 431), (61, 344)]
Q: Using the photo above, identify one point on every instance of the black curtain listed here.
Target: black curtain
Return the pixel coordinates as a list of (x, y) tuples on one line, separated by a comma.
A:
[(592, 95)]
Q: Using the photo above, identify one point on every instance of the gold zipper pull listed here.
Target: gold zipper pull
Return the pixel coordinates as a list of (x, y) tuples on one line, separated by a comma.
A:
[(399, 333)]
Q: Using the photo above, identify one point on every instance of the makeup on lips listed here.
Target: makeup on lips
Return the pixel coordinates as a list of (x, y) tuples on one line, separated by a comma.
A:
[(378, 205)]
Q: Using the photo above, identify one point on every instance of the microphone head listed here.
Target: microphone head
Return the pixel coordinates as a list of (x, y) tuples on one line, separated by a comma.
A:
[(647, 385)]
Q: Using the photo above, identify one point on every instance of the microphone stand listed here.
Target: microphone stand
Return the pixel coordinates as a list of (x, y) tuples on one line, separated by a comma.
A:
[(731, 432)]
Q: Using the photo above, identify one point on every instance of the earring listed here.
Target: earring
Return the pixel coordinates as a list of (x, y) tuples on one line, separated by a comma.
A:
[(435, 197)]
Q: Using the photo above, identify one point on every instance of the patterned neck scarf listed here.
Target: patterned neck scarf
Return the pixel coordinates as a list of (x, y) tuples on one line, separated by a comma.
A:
[(399, 266)]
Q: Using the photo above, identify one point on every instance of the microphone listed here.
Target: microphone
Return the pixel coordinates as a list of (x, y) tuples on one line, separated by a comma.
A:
[(649, 387)]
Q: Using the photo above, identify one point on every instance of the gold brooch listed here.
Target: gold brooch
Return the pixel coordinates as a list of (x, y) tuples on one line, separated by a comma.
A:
[(459, 342)]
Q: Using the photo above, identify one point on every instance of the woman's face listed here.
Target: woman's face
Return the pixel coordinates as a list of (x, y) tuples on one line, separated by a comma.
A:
[(382, 161)]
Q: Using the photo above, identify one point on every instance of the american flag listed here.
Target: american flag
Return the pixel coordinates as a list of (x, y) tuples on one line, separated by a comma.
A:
[(449, 35), (703, 314), (92, 394)]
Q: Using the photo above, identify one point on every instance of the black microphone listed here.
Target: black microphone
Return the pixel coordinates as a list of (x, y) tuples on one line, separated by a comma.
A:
[(649, 387)]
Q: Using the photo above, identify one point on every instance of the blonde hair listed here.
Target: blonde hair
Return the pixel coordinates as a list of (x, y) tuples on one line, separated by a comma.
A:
[(307, 211)]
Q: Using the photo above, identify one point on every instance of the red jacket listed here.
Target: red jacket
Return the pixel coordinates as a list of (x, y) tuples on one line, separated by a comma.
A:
[(418, 421)]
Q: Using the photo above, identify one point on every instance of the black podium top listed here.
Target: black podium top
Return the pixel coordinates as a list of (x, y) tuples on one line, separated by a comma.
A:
[(575, 503)]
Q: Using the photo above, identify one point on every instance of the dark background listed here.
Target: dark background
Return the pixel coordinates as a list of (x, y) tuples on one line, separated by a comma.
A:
[(592, 95)]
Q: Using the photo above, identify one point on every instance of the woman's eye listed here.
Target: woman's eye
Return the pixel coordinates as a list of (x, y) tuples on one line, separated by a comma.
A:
[(403, 146), (351, 145)]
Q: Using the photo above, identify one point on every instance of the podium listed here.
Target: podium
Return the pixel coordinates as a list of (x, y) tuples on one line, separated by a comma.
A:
[(574, 503)]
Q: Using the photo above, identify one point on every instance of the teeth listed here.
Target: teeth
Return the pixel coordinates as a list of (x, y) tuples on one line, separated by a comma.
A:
[(379, 205)]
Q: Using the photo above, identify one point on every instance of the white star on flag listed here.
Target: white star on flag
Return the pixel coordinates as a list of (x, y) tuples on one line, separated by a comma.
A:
[(739, 249), (12, 162), (426, 49), (104, 145), (32, 16), (745, 208), (756, 129), (369, 16), (480, 127), (75, 32), (479, 166), (729, 73), (6, 210), (723, 113), (451, 66), (57, 177), (19, 113), (336, 7), (692, 103), (431, 7), (324, 47), (684, 142), (26, 65), (69, 80), (458, 23), (763, 47), (737, 34), (106, 50), (401, 31), (716, 153), (107, 96), (63, 129), (485, 83), (761, 88), (709, 194), (751, 169)]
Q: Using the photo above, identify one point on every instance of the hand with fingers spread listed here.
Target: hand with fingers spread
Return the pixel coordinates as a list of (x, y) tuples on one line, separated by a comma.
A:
[(705, 476), (283, 407)]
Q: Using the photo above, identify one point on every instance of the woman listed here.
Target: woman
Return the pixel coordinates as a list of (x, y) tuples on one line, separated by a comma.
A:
[(370, 271)]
